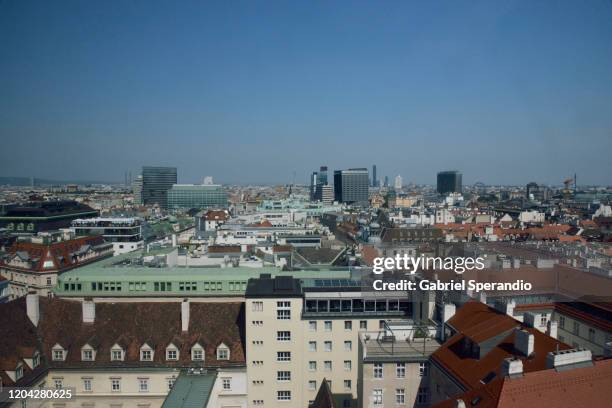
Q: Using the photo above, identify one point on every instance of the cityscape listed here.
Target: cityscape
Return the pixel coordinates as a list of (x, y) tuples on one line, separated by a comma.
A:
[(211, 205)]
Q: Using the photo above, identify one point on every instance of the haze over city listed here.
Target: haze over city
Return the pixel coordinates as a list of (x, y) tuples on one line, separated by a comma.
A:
[(507, 93)]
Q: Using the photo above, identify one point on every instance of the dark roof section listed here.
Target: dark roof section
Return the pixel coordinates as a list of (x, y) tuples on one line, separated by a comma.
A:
[(48, 209), (129, 325), (279, 286), (324, 398)]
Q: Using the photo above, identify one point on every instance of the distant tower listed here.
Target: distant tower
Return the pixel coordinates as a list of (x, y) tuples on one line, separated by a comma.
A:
[(449, 182), (386, 183), (208, 181), (398, 182), (374, 181)]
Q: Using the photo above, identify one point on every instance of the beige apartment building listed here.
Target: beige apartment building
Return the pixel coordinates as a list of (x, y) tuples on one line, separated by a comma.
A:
[(299, 332), (394, 365)]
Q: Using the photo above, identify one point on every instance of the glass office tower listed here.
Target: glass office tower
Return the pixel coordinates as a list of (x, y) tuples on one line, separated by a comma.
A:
[(156, 181), (185, 196), (449, 182), (351, 186)]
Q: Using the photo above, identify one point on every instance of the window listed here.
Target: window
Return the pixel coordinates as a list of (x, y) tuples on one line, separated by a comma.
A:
[(348, 345), (327, 365), (227, 384), (400, 396), (591, 334), (19, 372), (143, 384), (422, 395), (116, 355), (346, 403), (377, 397), (58, 383), (378, 370), (283, 336), (283, 395), (312, 326), (283, 310), (146, 355), (576, 328), (363, 324), (58, 355), (87, 384), (197, 354), (543, 319), (327, 345), (312, 366), (48, 281), (347, 385), (328, 325), (115, 384), (87, 355), (348, 325), (283, 356), (400, 370), (312, 385), (257, 306), (423, 370), (562, 322), (283, 376), (171, 354), (312, 346), (223, 352), (347, 365)]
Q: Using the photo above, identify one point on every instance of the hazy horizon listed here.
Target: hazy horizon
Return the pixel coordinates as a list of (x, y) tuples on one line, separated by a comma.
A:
[(253, 93)]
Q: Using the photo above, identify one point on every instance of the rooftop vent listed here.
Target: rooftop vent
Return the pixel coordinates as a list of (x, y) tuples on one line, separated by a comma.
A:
[(565, 359)]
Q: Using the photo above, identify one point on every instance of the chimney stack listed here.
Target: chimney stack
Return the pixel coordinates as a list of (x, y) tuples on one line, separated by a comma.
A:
[(460, 403), (505, 306), (512, 367), (524, 342), (89, 310), (185, 315), (33, 307), (567, 358)]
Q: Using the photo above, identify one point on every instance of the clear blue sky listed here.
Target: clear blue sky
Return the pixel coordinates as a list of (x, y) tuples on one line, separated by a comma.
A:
[(508, 92)]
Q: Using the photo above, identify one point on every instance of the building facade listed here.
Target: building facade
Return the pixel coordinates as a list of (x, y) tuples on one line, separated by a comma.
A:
[(156, 181), (351, 186), (449, 182), (185, 196)]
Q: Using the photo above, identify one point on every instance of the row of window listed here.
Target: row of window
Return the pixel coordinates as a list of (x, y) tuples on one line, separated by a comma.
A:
[(187, 286), (115, 384), (146, 353), (400, 370), (357, 305), (400, 396), (327, 345)]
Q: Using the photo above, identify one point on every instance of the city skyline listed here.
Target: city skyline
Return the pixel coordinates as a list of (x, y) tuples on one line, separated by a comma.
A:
[(507, 94)]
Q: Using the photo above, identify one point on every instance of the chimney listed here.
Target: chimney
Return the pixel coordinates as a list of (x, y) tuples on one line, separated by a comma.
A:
[(512, 367), (33, 307), (505, 306), (524, 342), (566, 358), (185, 315), (448, 311), (551, 328), (459, 403), (89, 310), (482, 297)]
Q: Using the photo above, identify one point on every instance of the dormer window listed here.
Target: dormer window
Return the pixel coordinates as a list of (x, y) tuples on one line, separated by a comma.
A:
[(87, 355), (36, 360), (197, 352), (172, 353), (18, 372), (146, 353), (58, 353), (116, 353), (223, 352)]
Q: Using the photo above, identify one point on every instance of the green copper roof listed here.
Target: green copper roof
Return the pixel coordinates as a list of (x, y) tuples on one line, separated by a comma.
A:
[(190, 391)]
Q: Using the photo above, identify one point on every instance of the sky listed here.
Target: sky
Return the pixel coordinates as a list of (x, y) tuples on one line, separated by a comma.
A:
[(507, 92)]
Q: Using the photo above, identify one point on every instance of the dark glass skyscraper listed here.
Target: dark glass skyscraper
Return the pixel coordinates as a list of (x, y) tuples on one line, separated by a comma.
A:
[(449, 182), (351, 186), (374, 180), (156, 181)]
